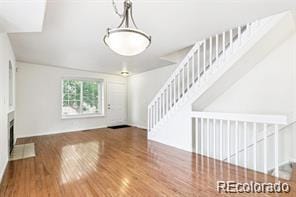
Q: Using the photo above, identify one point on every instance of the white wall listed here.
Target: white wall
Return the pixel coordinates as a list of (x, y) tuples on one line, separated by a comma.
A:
[(269, 88), (176, 130), (38, 102), (6, 54), (141, 90)]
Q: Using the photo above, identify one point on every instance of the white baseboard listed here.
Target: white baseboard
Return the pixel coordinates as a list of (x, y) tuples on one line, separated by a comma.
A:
[(75, 130), (60, 132), (138, 126), (2, 171), (291, 160)]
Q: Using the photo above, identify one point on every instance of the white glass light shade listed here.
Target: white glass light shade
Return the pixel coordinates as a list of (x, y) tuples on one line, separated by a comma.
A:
[(127, 41)]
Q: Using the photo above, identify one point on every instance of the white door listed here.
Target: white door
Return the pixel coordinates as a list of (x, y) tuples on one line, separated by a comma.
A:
[(117, 103)]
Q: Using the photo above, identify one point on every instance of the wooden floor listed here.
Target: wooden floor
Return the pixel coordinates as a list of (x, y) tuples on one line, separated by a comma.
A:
[(120, 162)]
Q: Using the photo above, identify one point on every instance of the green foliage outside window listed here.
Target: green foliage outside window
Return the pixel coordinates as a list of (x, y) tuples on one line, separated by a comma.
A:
[(82, 97)]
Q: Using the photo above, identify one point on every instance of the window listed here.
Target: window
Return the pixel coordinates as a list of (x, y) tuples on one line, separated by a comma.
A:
[(82, 97)]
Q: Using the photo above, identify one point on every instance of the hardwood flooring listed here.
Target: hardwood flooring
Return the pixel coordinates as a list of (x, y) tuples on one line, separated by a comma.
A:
[(293, 176), (122, 162)]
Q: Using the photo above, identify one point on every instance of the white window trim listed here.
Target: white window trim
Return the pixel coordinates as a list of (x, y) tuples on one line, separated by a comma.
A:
[(87, 115)]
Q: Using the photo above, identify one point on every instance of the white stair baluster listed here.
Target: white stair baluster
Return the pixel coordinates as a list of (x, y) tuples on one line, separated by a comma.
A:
[(183, 81), (192, 69), (255, 146), (208, 137), (220, 136), (231, 40), (148, 121), (276, 150), (210, 51), (198, 64), (249, 28), (236, 143), (196, 135), (239, 38), (167, 99), (265, 147), (179, 89), (161, 103), (153, 120), (175, 91), (217, 48), (223, 44), (228, 142), (151, 117), (204, 57), (154, 115), (188, 76), (201, 136), (164, 103), (214, 136), (171, 95), (156, 104), (155, 112), (159, 109), (245, 145)]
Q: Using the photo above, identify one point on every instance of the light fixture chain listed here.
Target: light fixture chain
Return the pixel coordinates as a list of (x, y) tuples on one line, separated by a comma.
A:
[(132, 17), (116, 10)]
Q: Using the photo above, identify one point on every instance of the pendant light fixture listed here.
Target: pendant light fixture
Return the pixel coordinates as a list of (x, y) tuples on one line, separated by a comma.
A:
[(127, 40)]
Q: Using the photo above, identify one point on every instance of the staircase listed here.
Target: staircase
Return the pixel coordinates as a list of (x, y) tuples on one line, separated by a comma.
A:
[(210, 68), (204, 63)]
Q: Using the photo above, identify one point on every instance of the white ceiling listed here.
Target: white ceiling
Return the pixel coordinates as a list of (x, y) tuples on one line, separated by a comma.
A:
[(21, 15), (73, 30)]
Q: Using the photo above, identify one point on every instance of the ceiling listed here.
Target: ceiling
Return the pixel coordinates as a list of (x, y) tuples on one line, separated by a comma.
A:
[(29, 17), (73, 30)]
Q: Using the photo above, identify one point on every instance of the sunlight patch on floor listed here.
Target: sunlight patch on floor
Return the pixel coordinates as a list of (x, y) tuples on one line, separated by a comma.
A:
[(22, 151)]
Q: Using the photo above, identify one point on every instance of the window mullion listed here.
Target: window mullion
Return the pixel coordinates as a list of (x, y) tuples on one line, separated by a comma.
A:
[(81, 96), (98, 101)]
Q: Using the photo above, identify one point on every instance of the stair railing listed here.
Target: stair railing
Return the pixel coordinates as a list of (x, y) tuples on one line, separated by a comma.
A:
[(247, 140), (205, 56)]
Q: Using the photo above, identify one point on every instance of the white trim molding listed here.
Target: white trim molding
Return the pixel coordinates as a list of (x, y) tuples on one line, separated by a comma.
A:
[(138, 126), (2, 171)]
